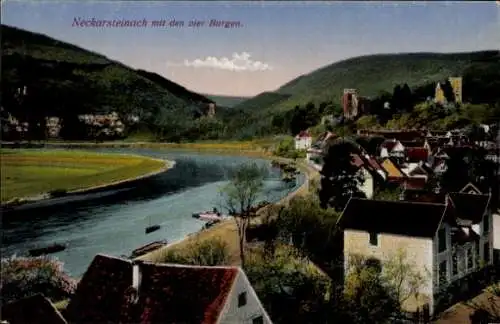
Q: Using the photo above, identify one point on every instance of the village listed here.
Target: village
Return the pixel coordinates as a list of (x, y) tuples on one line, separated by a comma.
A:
[(451, 234)]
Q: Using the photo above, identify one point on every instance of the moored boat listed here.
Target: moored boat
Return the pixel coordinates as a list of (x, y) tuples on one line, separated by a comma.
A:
[(148, 248), (210, 215), (54, 248), (152, 228)]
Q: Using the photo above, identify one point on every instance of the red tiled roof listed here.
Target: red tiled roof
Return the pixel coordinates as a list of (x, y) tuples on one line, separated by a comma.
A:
[(373, 163), (388, 144), (165, 292), (357, 161), (303, 134), (417, 153)]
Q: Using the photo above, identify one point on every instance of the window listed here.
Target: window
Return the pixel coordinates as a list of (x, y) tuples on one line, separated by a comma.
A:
[(373, 239), (258, 320), (442, 240), (242, 299), (486, 252), (443, 269)]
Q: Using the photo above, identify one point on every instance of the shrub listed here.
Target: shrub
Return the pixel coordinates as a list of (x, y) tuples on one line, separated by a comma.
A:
[(23, 277), (211, 252)]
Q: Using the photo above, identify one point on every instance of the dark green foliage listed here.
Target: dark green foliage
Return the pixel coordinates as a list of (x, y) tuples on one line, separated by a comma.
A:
[(64, 80), (226, 101), (340, 178)]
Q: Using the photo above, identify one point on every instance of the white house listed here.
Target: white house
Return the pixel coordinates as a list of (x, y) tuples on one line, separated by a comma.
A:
[(115, 290), (444, 242), (367, 186), (303, 141), (392, 148)]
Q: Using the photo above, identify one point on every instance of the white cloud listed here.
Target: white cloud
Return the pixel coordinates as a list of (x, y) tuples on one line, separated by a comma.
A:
[(238, 62)]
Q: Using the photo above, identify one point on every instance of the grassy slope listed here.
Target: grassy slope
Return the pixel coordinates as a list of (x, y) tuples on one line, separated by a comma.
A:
[(372, 74), (226, 101), (58, 67), (28, 173)]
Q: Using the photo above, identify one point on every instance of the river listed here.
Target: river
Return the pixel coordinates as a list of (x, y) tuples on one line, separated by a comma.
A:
[(115, 224)]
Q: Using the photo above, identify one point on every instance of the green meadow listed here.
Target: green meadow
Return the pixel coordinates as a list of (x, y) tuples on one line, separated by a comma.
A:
[(26, 173)]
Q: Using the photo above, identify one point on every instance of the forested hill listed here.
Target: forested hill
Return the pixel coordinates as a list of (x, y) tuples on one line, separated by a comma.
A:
[(375, 76), (64, 80)]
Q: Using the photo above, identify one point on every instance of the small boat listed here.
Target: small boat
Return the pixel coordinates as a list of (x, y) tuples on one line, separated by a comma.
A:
[(54, 248), (210, 215), (148, 248), (152, 228)]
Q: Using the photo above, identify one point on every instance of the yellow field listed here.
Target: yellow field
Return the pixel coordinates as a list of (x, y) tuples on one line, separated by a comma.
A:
[(27, 173)]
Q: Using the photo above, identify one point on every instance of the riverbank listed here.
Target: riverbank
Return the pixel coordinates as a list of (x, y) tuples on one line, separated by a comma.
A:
[(227, 230), (30, 176)]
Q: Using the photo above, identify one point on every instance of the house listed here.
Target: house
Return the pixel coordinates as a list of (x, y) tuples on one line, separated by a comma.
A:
[(35, 309), (446, 241), (303, 140), (394, 172), (365, 171), (115, 290), (392, 148)]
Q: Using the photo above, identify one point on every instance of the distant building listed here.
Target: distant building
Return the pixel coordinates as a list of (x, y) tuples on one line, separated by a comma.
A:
[(456, 85), (303, 141), (350, 103), (211, 110)]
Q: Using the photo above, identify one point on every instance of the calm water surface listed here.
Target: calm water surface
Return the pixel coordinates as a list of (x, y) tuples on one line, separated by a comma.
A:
[(115, 224)]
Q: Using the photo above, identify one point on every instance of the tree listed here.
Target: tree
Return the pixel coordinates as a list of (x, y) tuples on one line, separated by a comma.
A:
[(340, 177), (24, 277), (403, 277), (396, 98), (406, 98), (240, 195), (368, 298)]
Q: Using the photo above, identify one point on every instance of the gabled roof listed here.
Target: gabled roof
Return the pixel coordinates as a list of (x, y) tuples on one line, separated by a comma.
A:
[(303, 134), (392, 169), (419, 170), (33, 310), (388, 144), (168, 293), (470, 207), (470, 188), (392, 217), (413, 143)]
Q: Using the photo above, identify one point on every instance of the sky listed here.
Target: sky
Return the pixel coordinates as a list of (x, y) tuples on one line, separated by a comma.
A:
[(268, 43)]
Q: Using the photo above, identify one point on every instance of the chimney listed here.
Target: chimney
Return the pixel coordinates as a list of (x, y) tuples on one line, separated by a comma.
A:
[(136, 277)]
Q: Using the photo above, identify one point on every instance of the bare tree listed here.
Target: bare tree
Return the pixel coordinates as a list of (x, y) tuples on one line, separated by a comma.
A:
[(403, 276), (240, 196)]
